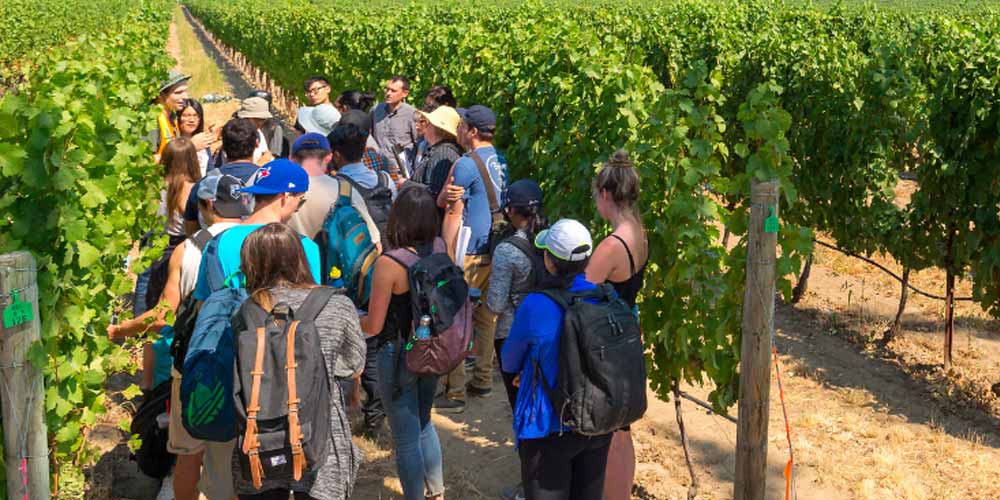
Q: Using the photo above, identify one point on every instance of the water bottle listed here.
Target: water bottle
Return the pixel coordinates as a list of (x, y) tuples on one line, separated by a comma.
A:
[(424, 330), (335, 277)]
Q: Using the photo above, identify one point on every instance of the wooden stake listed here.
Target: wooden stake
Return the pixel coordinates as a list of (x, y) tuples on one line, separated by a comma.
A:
[(898, 322), (949, 318), (755, 357), (22, 387)]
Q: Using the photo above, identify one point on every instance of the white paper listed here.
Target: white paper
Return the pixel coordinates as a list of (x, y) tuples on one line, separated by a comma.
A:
[(464, 235)]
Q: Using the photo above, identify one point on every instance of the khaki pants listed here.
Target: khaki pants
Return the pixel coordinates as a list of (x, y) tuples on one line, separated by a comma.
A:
[(477, 275), (216, 480)]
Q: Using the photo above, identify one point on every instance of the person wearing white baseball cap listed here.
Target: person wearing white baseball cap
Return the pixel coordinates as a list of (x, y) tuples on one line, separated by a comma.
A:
[(556, 462)]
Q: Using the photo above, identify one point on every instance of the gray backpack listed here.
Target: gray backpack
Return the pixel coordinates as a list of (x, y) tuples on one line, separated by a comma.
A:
[(281, 389)]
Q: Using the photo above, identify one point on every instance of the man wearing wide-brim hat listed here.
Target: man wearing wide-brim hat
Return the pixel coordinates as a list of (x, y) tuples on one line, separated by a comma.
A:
[(257, 110), (172, 93)]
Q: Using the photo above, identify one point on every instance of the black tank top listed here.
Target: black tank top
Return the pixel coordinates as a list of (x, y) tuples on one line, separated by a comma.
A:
[(398, 319), (629, 289)]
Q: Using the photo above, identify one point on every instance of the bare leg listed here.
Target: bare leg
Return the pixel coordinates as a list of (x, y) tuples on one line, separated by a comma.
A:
[(621, 467), (186, 474)]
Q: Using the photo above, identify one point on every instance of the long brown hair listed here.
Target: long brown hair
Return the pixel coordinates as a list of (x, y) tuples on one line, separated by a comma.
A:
[(273, 256), (619, 177), (180, 166)]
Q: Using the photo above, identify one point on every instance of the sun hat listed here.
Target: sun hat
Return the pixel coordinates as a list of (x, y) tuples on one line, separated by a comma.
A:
[(276, 177), (444, 118), (254, 107), (312, 140), (224, 193), (173, 78), (566, 240), (479, 117), (320, 119), (523, 193)]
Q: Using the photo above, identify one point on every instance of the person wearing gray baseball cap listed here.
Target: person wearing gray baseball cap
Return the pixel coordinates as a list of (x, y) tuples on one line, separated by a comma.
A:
[(170, 98)]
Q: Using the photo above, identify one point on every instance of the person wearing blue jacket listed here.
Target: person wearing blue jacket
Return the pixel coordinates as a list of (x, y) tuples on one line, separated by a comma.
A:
[(556, 463)]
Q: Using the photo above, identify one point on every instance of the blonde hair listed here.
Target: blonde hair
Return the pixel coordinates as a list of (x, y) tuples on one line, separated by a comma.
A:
[(620, 179)]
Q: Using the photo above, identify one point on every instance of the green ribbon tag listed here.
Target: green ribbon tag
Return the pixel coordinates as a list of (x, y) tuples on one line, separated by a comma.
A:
[(17, 313), (771, 224)]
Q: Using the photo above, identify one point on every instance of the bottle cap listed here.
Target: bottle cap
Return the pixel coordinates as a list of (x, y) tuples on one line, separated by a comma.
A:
[(335, 273)]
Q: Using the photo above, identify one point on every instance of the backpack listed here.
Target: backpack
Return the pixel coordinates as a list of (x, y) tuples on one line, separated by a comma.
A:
[(437, 289), (282, 393), (535, 255), (345, 241), (152, 456), (187, 311), (601, 385), (207, 382), (499, 227)]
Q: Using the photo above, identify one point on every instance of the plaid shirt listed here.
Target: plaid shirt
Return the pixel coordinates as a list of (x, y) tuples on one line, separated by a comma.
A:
[(378, 162)]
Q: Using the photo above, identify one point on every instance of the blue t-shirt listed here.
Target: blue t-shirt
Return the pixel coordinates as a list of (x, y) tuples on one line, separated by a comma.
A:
[(230, 243), (242, 170), (535, 336), (477, 203)]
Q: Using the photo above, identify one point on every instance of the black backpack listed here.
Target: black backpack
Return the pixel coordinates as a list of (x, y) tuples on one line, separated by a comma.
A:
[(187, 311), (536, 255), (281, 389), (378, 200), (152, 456), (602, 371)]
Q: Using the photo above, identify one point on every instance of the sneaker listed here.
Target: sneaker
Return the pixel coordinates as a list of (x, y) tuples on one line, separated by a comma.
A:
[(476, 392), (448, 405), (513, 493)]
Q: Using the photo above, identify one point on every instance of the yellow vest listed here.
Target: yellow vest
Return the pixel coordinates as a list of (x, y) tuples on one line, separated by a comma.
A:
[(168, 130)]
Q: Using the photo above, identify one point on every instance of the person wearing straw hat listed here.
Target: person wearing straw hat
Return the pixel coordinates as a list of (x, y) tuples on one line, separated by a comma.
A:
[(257, 111), (171, 96), (440, 131)]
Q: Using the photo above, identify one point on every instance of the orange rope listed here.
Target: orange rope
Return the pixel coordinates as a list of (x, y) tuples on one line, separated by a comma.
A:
[(788, 431)]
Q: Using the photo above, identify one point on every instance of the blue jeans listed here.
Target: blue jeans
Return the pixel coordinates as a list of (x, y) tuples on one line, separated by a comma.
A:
[(418, 451)]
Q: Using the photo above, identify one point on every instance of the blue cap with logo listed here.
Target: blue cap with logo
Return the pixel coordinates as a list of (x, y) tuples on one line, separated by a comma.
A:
[(479, 117), (276, 177)]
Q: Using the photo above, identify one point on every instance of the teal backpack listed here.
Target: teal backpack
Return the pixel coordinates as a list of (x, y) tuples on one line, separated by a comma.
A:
[(346, 243)]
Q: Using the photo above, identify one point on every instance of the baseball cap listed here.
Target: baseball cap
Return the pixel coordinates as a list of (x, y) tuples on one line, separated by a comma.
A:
[(320, 119), (479, 117), (524, 193), (263, 94), (254, 107), (276, 177), (359, 119), (444, 118), (173, 78), (224, 192), (566, 240), (312, 140)]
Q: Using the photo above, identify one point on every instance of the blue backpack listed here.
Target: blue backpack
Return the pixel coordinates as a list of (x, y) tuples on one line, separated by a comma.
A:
[(345, 241), (207, 383)]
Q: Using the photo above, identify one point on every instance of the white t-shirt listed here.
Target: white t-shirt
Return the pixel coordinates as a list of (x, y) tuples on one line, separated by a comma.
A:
[(192, 259), (261, 146), (323, 193)]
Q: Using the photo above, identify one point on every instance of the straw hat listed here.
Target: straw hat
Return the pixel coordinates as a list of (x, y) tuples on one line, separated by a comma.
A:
[(444, 118)]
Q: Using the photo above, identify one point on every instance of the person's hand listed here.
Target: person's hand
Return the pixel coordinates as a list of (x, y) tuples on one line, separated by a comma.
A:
[(517, 380), (113, 332), (354, 401), (452, 192), (202, 140)]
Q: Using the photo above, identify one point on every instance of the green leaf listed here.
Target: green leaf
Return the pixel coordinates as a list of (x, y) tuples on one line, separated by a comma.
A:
[(88, 254)]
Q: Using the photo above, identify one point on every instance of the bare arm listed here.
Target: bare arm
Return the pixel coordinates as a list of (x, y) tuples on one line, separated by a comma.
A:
[(155, 318), (602, 263), (387, 272)]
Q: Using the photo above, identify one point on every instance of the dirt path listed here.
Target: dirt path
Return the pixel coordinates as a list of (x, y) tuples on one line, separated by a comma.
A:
[(864, 423)]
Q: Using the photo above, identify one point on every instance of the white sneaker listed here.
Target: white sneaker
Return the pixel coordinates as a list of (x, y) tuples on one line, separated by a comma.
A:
[(167, 488)]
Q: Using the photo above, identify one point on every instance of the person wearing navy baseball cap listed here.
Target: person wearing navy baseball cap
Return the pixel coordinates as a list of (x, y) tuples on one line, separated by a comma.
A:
[(275, 191), (482, 174), (312, 152)]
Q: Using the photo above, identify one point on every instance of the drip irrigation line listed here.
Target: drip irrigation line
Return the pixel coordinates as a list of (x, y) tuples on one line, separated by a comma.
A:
[(890, 273), (706, 406)]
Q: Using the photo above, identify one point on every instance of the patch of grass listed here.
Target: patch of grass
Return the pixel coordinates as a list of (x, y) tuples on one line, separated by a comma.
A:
[(206, 78)]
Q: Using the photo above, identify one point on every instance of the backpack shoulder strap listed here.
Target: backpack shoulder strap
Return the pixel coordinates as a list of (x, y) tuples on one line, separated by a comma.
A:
[(314, 303), (403, 256), (201, 239), (440, 246), (559, 296), (484, 172), (354, 185), (525, 246), (344, 186)]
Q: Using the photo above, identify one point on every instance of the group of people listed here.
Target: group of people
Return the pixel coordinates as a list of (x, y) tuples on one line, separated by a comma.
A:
[(418, 178)]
